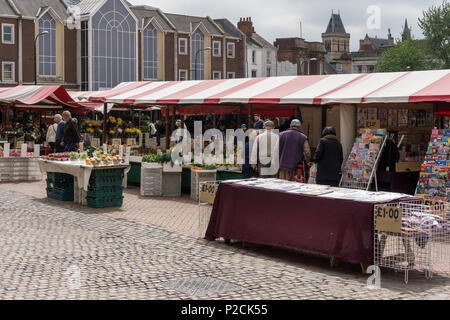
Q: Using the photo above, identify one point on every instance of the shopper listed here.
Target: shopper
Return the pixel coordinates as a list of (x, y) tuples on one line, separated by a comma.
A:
[(71, 133), (329, 158), (265, 155), (59, 145), (294, 148), (259, 123), (51, 132), (160, 131)]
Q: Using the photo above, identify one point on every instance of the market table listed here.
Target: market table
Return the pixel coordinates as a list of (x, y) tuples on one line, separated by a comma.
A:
[(80, 171), (335, 227)]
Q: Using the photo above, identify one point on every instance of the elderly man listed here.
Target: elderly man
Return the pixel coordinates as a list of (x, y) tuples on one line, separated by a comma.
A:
[(294, 148), (59, 145), (51, 132), (265, 154), (71, 134)]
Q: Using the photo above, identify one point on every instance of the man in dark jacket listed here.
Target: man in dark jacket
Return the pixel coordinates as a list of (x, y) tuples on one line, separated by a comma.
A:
[(71, 133), (259, 123), (294, 148), (329, 158)]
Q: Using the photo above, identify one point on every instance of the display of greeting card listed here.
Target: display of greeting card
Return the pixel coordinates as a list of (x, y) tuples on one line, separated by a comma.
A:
[(372, 114), (403, 117), (383, 117), (360, 165), (362, 117), (393, 118), (434, 181)]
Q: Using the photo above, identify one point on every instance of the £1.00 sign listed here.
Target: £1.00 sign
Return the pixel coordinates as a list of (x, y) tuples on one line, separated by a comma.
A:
[(208, 192), (389, 219)]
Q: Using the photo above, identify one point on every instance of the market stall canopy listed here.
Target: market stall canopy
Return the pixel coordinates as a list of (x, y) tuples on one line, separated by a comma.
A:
[(42, 95), (390, 87)]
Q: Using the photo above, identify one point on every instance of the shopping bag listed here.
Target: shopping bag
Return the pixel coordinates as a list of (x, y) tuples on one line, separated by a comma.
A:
[(312, 174)]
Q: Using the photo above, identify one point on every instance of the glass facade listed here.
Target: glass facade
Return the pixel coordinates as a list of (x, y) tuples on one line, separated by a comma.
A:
[(198, 57), (150, 35), (114, 57), (47, 46)]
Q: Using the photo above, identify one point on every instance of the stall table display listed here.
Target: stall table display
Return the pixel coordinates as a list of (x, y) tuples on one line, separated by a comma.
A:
[(97, 186), (333, 221)]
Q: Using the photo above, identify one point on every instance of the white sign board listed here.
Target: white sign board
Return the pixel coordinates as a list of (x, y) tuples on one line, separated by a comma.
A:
[(23, 150)]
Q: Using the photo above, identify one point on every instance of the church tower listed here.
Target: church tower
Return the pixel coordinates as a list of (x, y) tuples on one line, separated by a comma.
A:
[(335, 39), (406, 34)]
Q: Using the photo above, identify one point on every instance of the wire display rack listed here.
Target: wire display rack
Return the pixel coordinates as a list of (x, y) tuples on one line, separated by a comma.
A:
[(423, 244), (205, 207)]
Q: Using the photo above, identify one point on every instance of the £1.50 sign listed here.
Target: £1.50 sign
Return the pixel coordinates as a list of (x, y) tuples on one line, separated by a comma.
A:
[(389, 219)]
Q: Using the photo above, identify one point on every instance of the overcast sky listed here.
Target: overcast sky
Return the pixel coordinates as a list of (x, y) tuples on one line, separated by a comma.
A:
[(281, 18)]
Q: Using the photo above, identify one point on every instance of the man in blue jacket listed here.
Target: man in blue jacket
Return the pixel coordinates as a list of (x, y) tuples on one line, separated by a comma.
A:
[(60, 136), (294, 148)]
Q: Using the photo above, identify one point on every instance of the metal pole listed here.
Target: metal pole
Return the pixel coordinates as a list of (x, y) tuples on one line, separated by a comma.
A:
[(167, 127), (250, 116), (105, 117)]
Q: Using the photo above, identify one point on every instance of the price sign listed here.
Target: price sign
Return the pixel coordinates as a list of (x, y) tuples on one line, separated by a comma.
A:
[(208, 192), (373, 124), (389, 219), (438, 208), (95, 143)]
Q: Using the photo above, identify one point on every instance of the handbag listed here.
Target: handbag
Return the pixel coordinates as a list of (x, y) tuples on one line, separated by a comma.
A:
[(312, 174)]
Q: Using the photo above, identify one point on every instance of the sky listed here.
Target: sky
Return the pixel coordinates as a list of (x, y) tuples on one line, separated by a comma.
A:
[(281, 18)]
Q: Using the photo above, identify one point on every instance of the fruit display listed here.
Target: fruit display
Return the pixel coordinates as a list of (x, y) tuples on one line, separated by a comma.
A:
[(16, 154), (63, 156), (103, 160), (74, 156)]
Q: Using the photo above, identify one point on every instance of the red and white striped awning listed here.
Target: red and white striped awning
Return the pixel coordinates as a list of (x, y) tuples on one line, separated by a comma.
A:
[(395, 87), (42, 95)]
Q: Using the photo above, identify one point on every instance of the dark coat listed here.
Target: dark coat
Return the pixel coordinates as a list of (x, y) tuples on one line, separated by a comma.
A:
[(258, 125), (329, 158), (71, 133), (291, 149)]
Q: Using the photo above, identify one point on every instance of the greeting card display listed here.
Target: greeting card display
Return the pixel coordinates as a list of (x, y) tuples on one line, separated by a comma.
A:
[(361, 164), (434, 181)]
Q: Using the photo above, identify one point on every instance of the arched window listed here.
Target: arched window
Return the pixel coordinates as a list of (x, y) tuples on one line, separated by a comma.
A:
[(150, 52), (47, 46), (198, 57), (113, 46)]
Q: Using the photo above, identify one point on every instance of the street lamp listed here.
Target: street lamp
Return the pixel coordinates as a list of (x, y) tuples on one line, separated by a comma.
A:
[(196, 56), (35, 58)]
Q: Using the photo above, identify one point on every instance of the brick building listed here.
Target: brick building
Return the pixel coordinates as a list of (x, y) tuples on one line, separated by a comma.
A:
[(56, 49), (370, 50), (116, 42)]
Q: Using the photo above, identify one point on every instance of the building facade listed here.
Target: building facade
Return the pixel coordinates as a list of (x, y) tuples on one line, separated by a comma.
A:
[(24, 23), (115, 42), (299, 57), (370, 50), (261, 56)]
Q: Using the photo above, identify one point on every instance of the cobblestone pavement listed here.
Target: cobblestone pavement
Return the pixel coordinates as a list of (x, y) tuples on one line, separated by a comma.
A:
[(55, 250)]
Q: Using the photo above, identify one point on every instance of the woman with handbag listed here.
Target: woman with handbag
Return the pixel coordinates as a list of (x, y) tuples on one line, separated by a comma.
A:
[(329, 158)]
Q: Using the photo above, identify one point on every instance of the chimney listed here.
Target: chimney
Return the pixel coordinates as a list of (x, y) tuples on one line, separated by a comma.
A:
[(246, 26)]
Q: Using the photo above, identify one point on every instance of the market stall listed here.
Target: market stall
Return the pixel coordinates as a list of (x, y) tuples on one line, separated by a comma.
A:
[(293, 215)]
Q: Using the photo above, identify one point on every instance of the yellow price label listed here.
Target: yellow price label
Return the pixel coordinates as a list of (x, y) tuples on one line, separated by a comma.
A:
[(208, 193), (389, 219), (373, 124), (437, 207)]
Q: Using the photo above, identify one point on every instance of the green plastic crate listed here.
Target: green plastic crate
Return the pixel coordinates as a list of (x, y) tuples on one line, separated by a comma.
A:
[(99, 182), (100, 173), (134, 175), (227, 175), (111, 191), (104, 202), (186, 180), (50, 193), (59, 184), (60, 179)]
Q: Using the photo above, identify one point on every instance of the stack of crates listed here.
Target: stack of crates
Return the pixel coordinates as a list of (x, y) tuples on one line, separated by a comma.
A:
[(151, 180), (19, 169), (199, 176), (105, 188), (60, 186)]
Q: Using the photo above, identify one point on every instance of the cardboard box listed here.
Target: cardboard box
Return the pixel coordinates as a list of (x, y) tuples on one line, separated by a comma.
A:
[(407, 167)]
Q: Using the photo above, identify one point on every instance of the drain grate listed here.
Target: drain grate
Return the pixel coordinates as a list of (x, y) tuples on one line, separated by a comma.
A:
[(200, 287)]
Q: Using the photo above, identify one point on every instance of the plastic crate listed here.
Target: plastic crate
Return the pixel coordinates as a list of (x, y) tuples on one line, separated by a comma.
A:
[(186, 180), (110, 173), (171, 184), (63, 194), (134, 175), (111, 191), (98, 182), (104, 202), (50, 193), (60, 178)]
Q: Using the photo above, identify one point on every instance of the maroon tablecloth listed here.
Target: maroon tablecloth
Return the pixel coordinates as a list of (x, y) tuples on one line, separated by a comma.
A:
[(339, 228)]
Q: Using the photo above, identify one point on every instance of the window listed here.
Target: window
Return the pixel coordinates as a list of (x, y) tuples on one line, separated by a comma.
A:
[(254, 57), (216, 49), (7, 33), (47, 46), (230, 49), (328, 45), (8, 72), (370, 69), (359, 69), (230, 75), (254, 73), (198, 55), (217, 75), (182, 46), (150, 52), (182, 75), (269, 57), (114, 48), (268, 72)]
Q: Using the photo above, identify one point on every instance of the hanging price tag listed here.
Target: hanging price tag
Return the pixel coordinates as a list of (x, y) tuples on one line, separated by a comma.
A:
[(373, 124), (6, 150), (438, 208), (23, 150), (37, 150), (389, 219), (208, 192)]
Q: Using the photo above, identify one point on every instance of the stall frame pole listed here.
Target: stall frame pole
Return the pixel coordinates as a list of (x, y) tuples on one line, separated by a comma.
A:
[(167, 127), (105, 117), (250, 116)]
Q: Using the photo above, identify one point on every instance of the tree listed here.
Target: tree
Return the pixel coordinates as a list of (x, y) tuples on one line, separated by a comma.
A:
[(404, 56), (435, 25)]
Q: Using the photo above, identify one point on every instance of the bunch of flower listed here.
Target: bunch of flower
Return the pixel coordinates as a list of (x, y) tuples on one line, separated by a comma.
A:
[(132, 132)]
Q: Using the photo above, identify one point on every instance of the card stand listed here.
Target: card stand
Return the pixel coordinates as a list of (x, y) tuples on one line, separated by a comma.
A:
[(199, 176), (151, 181), (204, 211), (423, 244)]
